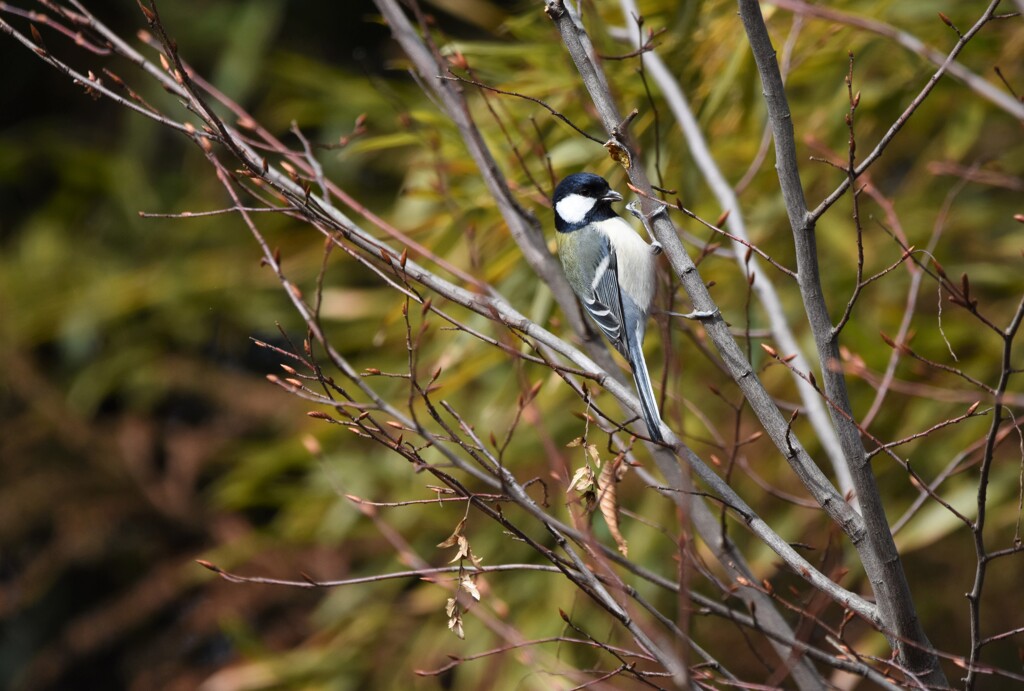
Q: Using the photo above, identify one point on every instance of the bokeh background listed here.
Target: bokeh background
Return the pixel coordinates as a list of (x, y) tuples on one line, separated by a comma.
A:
[(138, 432)]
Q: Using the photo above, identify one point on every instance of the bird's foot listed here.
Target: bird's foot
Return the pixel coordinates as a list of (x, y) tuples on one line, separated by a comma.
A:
[(697, 314), (633, 207)]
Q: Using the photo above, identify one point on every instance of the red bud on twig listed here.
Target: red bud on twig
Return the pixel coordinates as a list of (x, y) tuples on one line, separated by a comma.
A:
[(208, 565), (150, 17), (38, 38)]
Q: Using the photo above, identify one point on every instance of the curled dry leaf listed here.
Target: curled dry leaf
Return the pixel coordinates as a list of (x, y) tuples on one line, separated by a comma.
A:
[(463, 549), (582, 480), (454, 617), (452, 539), (618, 153), (609, 505), (467, 584)]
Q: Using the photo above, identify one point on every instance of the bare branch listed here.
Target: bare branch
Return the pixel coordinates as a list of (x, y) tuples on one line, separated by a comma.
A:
[(832, 198), (974, 596), (956, 69), (879, 556)]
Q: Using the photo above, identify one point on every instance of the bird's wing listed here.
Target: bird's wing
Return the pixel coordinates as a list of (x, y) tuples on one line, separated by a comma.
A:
[(605, 301)]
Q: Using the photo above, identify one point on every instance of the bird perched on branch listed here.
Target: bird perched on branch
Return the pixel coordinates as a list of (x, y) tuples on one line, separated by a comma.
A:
[(611, 269)]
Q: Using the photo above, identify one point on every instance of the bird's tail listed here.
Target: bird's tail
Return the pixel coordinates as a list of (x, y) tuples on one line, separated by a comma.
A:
[(642, 379)]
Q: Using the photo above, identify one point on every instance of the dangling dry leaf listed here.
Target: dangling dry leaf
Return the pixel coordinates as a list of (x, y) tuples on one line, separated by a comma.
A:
[(608, 491), (463, 549), (453, 539), (454, 617), (582, 480), (467, 584)]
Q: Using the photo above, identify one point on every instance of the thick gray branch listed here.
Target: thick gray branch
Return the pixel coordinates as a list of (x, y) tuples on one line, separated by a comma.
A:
[(879, 556)]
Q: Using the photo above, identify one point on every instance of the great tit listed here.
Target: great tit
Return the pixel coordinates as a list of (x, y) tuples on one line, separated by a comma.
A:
[(611, 269)]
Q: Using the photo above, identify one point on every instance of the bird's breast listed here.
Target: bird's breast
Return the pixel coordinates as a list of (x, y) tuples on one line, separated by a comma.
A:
[(636, 261)]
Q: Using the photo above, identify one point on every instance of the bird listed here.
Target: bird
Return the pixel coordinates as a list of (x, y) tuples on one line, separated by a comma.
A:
[(612, 271)]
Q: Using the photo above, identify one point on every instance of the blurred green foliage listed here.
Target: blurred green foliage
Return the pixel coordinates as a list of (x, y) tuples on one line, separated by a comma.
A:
[(138, 432)]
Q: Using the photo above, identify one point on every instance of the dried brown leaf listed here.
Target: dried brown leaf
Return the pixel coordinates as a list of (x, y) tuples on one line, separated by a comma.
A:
[(609, 505)]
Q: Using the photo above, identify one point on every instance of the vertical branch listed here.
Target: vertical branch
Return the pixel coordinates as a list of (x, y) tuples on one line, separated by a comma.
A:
[(880, 558), (982, 555)]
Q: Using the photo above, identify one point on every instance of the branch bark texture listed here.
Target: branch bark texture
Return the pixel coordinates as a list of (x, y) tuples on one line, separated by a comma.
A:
[(880, 558)]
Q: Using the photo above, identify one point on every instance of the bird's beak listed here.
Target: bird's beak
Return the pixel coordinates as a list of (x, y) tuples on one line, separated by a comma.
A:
[(612, 196)]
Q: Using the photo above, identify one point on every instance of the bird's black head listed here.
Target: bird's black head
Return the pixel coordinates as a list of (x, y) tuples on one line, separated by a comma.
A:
[(583, 198)]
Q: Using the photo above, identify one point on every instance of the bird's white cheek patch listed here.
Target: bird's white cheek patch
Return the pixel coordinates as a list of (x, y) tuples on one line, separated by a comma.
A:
[(574, 208)]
